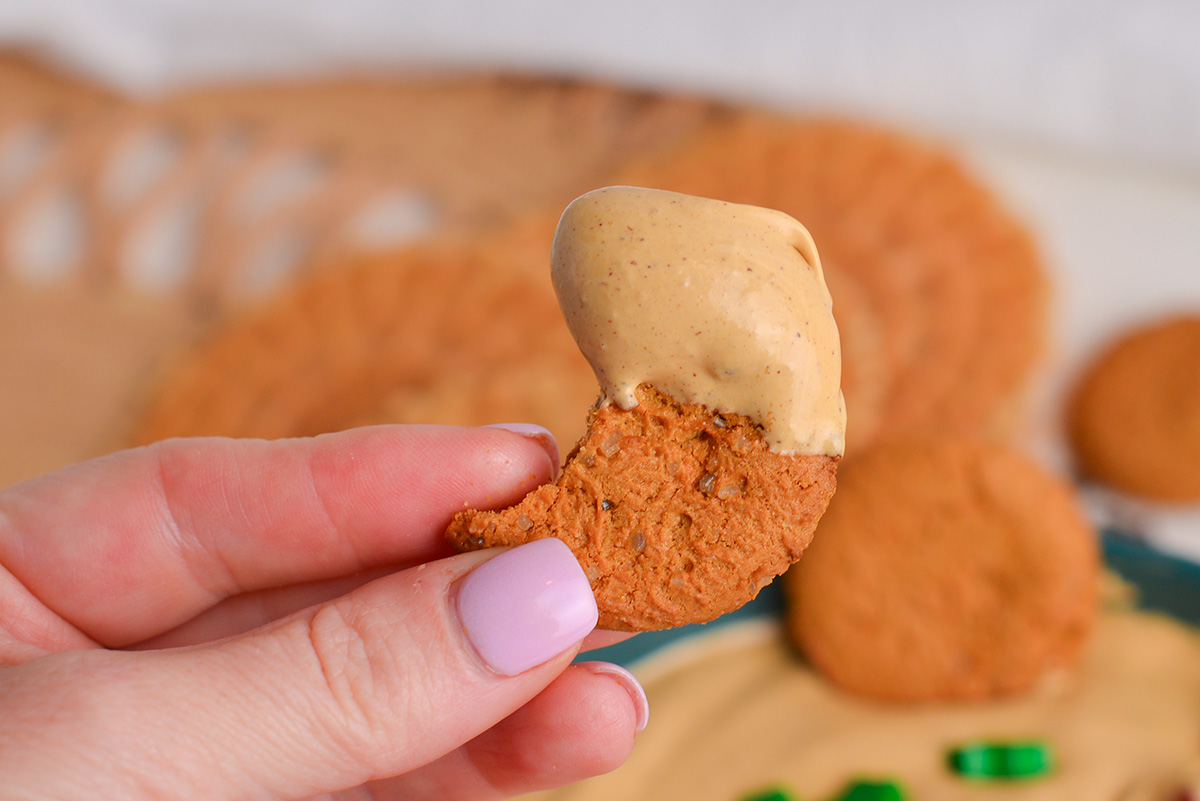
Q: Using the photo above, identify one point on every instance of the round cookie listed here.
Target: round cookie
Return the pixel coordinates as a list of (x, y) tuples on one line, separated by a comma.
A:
[(676, 514), (945, 569), (1134, 417), (461, 333), (952, 278)]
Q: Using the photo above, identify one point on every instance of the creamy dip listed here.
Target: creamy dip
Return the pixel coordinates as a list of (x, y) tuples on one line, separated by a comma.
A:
[(714, 303)]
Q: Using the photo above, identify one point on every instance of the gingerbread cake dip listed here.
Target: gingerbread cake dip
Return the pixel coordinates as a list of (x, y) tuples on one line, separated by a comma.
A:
[(741, 323), (737, 711)]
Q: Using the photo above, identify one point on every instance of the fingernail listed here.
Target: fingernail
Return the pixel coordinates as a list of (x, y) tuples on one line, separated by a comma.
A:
[(632, 686), (541, 436), (526, 605)]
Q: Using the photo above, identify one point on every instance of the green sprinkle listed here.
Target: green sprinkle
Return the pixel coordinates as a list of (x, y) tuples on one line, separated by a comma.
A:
[(774, 794), (873, 791), (1001, 761)]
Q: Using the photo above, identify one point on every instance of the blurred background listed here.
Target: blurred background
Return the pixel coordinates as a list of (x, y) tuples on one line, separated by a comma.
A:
[(291, 216), (203, 152), (1113, 80)]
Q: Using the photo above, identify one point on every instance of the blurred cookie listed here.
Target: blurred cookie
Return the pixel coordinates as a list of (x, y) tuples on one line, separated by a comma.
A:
[(945, 569), (677, 514), (1134, 417), (461, 333), (953, 280)]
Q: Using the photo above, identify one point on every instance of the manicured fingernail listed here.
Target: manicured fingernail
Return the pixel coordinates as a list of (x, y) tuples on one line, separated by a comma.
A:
[(632, 686), (526, 605), (541, 436)]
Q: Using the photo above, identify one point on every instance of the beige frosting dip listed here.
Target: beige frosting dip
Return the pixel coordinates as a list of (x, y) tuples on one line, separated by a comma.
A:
[(735, 711), (714, 303)]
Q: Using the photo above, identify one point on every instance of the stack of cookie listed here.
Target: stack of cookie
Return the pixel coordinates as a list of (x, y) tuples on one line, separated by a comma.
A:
[(938, 292)]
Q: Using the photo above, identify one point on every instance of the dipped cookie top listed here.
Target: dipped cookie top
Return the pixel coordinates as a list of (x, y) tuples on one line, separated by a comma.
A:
[(714, 303)]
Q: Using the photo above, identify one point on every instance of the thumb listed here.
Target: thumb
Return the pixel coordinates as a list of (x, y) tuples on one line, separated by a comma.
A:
[(373, 684)]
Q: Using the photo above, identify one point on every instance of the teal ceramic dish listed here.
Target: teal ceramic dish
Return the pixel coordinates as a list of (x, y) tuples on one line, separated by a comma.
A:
[(1164, 584)]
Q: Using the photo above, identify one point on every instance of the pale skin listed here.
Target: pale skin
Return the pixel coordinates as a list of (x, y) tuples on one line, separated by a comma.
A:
[(211, 619)]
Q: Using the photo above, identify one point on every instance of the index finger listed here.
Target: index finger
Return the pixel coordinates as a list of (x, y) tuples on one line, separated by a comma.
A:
[(132, 544)]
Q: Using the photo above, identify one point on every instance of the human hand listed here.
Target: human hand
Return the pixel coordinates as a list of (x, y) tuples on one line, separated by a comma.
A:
[(213, 618)]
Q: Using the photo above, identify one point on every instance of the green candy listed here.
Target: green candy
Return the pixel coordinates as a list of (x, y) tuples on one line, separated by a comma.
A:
[(855, 791), (774, 794), (873, 791), (1001, 761)]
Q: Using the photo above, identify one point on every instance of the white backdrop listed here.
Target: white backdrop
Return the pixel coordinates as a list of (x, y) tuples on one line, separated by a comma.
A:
[(1114, 78)]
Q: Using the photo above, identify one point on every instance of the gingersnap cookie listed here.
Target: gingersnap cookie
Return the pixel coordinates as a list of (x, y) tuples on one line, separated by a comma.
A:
[(1134, 418), (464, 333), (952, 278), (676, 513), (945, 569), (711, 453)]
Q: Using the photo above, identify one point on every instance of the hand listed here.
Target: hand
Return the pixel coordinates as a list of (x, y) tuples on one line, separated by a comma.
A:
[(214, 618)]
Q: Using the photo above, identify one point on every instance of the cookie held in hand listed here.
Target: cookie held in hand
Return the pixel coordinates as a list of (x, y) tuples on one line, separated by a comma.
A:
[(711, 454), (676, 514)]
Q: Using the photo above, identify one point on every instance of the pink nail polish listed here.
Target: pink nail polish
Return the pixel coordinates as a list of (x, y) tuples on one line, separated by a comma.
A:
[(526, 605), (541, 436), (631, 685)]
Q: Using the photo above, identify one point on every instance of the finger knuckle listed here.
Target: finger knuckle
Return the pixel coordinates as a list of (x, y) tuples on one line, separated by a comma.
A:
[(357, 675)]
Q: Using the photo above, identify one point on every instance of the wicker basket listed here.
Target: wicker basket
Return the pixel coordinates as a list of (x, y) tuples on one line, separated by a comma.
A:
[(128, 228)]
